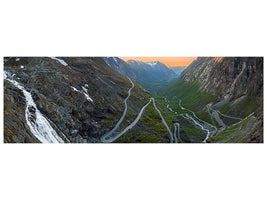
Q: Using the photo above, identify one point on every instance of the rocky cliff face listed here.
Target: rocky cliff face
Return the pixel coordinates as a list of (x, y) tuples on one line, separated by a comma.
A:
[(81, 98), (228, 78), (236, 81)]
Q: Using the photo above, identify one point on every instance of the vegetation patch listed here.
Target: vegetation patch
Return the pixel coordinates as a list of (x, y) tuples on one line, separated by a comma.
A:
[(149, 129)]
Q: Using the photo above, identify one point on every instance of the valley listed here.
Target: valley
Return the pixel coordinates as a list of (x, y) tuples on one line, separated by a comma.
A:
[(108, 100)]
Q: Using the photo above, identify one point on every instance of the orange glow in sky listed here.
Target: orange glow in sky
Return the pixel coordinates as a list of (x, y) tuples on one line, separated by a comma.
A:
[(169, 61)]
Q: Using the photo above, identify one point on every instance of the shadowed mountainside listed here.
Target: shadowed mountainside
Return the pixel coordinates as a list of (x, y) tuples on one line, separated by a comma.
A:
[(82, 99), (231, 86), (67, 99), (153, 76)]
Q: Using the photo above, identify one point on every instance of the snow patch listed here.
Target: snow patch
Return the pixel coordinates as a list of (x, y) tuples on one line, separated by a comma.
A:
[(59, 60), (17, 59), (85, 93), (6, 74), (22, 67), (87, 97), (74, 89), (152, 63), (84, 89)]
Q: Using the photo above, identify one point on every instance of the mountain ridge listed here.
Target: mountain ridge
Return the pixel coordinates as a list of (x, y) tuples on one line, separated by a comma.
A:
[(146, 74), (222, 90), (84, 98), (95, 99), (76, 100)]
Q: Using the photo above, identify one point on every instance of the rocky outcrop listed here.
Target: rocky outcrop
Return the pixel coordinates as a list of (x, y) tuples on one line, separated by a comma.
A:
[(238, 80), (228, 78), (82, 98)]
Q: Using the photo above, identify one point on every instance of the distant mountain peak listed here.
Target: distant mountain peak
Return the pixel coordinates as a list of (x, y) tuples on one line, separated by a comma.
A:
[(144, 73), (153, 63), (129, 61)]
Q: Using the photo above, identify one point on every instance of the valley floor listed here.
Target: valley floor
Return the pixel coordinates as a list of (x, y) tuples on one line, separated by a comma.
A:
[(186, 126), (213, 130), (118, 110)]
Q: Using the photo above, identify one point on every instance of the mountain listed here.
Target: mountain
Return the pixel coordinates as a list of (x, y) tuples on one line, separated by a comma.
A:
[(229, 78), (120, 66), (152, 75), (75, 100), (178, 70), (84, 100), (152, 71), (222, 92)]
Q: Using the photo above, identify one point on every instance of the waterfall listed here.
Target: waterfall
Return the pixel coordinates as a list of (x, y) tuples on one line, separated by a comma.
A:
[(38, 124)]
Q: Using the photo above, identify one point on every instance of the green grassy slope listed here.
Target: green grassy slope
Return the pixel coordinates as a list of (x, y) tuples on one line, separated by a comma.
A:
[(189, 93), (193, 98), (149, 129), (155, 87)]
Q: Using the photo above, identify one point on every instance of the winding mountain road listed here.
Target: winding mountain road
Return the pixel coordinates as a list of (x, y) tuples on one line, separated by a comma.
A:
[(201, 127), (107, 138), (108, 134), (225, 115), (241, 132), (177, 129), (183, 108), (197, 122), (247, 130), (164, 122), (216, 115), (111, 136)]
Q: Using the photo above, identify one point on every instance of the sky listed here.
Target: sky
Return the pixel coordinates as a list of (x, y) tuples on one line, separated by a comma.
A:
[(169, 61)]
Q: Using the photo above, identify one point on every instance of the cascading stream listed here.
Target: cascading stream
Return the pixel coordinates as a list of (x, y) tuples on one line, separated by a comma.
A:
[(38, 124)]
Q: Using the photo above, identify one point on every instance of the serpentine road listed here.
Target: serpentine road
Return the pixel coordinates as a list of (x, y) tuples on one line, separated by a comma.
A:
[(215, 114), (177, 129), (111, 136), (107, 138), (196, 116), (108, 134), (164, 122), (242, 133), (224, 114), (197, 123)]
